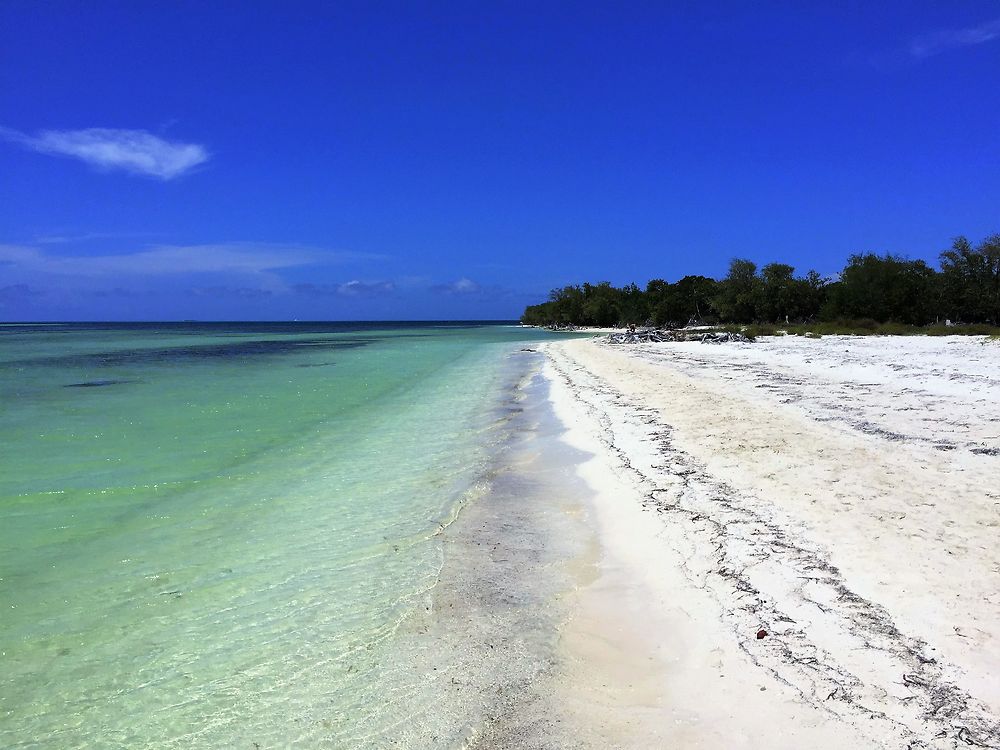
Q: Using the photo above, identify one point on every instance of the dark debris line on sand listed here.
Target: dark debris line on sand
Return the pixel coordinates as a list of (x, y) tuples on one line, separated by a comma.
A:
[(839, 400), (728, 534), (664, 335)]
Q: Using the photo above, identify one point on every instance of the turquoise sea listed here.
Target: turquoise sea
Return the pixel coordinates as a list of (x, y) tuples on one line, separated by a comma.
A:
[(211, 535)]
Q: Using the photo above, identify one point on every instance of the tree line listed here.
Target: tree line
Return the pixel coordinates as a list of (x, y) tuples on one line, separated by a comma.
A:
[(965, 288)]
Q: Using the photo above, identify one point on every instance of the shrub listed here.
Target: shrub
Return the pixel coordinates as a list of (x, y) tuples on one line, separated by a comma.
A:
[(867, 324), (896, 329), (974, 329)]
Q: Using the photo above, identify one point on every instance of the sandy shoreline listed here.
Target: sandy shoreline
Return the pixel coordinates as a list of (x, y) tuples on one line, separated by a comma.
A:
[(839, 494)]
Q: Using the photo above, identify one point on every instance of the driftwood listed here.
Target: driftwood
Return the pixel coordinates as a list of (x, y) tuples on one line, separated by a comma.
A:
[(722, 337), (659, 335)]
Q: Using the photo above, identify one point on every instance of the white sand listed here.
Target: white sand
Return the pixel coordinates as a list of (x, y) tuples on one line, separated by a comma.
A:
[(843, 494)]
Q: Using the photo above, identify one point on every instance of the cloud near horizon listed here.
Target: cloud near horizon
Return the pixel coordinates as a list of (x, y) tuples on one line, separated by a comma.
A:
[(224, 292), (352, 288), (133, 151), (943, 40), (233, 257), (462, 286)]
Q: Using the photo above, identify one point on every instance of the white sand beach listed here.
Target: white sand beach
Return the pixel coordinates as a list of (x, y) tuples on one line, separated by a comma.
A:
[(839, 496)]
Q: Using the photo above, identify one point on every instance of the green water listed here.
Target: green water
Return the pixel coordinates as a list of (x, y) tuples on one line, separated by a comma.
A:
[(201, 527)]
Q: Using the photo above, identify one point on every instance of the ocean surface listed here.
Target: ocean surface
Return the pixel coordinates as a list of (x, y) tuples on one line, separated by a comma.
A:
[(212, 535)]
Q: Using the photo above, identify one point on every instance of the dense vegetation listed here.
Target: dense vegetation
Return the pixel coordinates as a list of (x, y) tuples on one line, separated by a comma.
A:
[(871, 291)]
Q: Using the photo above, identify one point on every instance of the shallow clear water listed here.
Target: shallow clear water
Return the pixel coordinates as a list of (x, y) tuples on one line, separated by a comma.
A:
[(202, 526)]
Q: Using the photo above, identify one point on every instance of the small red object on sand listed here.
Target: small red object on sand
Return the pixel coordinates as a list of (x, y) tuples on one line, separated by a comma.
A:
[(761, 633)]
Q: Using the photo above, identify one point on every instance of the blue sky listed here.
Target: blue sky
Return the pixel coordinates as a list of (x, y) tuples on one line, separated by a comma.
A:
[(235, 160)]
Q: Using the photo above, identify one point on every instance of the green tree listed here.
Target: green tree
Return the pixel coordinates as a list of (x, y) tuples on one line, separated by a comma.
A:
[(633, 305), (778, 295), (813, 295), (970, 280), (884, 288), (601, 305), (567, 305), (783, 296), (694, 297), (739, 292)]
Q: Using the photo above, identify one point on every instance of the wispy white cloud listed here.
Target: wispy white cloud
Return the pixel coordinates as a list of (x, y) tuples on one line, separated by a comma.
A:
[(347, 289), (468, 290), (936, 42), (462, 286), (365, 289), (56, 238), (224, 292), (162, 260), (135, 151)]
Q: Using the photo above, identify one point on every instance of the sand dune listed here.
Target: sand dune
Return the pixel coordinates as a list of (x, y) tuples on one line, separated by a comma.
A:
[(842, 495)]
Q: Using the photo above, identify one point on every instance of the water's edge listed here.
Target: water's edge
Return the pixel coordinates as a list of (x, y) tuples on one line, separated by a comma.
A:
[(487, 643)]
